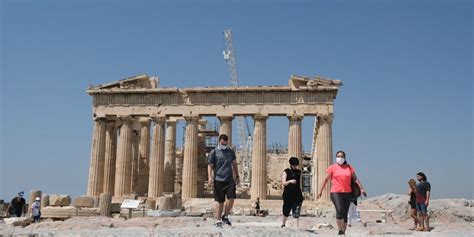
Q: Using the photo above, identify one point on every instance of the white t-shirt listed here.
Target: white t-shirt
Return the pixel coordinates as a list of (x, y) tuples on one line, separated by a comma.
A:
[(35, 208)]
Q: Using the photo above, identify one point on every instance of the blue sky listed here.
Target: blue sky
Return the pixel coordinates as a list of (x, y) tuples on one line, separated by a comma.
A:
[(406, 104)]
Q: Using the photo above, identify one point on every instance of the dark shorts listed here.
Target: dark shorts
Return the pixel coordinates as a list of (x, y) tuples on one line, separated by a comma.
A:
[(421, 208), (292, 206), (223, 189), (412, 205)]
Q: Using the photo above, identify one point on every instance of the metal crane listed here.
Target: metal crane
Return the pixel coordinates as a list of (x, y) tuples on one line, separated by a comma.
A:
[(245, 139)]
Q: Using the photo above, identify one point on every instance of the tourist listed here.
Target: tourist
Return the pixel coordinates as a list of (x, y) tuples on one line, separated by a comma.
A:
[(257, 207), (17, 205), (292, 195), (423, 192), (340, 175), (412, 202), (35, 210), (221, 167)]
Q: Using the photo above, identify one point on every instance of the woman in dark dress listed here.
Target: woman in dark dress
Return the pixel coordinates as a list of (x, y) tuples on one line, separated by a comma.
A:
[(292, 194), (412, 202)]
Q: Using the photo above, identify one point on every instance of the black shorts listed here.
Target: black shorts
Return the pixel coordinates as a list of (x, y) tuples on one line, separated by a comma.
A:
[(223, 189), (412, 205), (293, 206), (341, 202)]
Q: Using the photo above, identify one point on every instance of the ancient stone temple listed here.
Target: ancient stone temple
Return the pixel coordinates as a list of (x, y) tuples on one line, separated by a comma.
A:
[(134, 137)]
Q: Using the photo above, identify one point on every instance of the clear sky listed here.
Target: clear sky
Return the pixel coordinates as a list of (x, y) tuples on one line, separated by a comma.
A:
[(406, 104)]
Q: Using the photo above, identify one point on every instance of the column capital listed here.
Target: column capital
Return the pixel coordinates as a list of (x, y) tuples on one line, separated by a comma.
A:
[(326, 118), (99, 118), (295, 117), (125, 118), (225, 117), (158, 119), (113, 123), (144, 120), (191, 118), (260, 116), (171, 122)]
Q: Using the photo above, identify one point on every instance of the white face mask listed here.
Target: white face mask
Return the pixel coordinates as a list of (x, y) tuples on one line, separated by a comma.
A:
[(340, 160), (222, 147)]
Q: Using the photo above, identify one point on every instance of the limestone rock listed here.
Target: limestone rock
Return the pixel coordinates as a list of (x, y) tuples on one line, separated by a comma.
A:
[(59, 200)]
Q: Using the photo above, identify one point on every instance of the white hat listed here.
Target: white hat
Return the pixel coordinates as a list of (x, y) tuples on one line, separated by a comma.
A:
[(37, 199)]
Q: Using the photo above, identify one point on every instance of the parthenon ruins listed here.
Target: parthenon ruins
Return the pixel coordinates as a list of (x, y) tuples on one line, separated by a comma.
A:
[(128, 158)]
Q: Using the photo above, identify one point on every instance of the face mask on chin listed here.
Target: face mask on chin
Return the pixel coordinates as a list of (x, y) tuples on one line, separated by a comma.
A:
[(340, 160)]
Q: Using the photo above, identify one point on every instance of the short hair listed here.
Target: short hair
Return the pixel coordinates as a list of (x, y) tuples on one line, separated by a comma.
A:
[(423, 176), (223, 137), (294, 161)]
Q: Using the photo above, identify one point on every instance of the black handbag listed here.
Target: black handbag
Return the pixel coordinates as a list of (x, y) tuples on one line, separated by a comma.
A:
[(356, 192)]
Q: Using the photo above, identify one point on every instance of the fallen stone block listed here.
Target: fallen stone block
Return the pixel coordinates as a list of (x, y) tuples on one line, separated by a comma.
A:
[(59, 200), (83, 201), (67, 212)]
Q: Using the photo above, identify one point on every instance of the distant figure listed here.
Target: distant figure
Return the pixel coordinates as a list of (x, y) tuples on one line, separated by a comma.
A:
[(353, 214), (35, 210), (412, 202), (257, 206), (292, 194), (221, 167), (341, 175), (423, 192), (17, 205)]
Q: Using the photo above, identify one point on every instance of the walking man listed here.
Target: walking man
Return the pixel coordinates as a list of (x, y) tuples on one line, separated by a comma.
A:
[(423, 192), (221, 167)]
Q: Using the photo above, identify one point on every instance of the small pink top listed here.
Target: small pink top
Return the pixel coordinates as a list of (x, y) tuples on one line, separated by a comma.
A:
[(340, 178)]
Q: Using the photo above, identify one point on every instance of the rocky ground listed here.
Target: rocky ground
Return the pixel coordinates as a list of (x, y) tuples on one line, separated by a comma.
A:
[(451, 217)]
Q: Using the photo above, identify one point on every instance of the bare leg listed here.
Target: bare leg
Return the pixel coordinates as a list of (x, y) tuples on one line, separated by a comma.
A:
[(228, 206), (427, 222), (422, 222), (297, 223), (344, 226), (415, 218), (283, 222), (219, 207)]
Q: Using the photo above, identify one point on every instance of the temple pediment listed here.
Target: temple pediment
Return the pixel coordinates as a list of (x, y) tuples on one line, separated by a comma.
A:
[(299, 82), (136, 82)]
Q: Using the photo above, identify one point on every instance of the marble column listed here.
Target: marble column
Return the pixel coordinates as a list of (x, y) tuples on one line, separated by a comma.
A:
[(258, 186), (295, 146), (226, 127), (96, 168), (156, 179), (143, 161), (190, 162), (123, 167), (324, 154), (110, 157), (170, 156), (135, 160)]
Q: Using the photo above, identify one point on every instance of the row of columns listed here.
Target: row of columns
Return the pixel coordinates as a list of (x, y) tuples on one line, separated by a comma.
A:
[(114, 168), (123, 164)]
